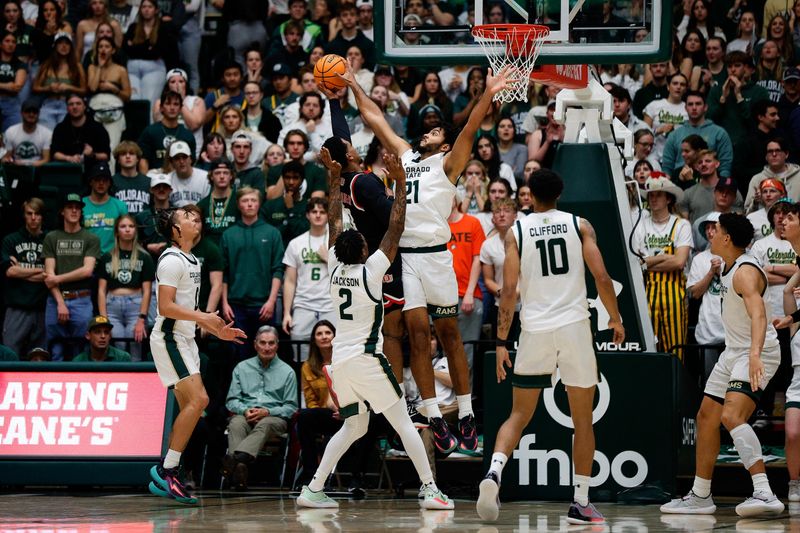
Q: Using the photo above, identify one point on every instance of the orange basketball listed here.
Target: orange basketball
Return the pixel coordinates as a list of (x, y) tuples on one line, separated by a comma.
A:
[(326, 70)]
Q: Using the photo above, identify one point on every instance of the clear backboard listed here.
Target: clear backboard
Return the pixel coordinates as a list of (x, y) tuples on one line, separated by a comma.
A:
[(437, 32)]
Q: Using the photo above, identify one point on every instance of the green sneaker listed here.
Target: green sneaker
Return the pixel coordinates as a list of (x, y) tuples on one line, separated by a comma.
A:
[(319, 500), (434, 499)]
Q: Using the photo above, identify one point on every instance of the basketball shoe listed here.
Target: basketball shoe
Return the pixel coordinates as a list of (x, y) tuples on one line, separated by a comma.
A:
[(760, 503), (690, 504), (488, 505), (318, 500), (167, 480), (584, 515), (442, 437), (469, 434)]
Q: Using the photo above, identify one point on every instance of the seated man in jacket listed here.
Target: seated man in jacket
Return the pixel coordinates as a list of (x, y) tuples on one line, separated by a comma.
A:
[(262, 398)]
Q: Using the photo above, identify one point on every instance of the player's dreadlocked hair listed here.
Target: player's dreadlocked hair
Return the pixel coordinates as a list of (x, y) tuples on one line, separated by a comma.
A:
[(349, 247), (338, 150), (165, 221)]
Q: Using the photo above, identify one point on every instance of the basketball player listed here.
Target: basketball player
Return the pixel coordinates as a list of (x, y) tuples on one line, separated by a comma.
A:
[(359, 372), (545, 253), (750, 359), (172, 340), (429, 282)]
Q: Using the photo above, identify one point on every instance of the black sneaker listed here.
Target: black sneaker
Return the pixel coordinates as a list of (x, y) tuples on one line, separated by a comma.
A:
[(469, 434), (356, 488), (442, 437)]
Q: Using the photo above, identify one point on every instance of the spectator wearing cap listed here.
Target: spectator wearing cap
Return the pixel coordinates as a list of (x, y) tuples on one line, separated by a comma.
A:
[(59, 76), (729, 104), (79, 138), (70, 254), (704, 284), (282, 93), (12, 78), (124, 285), (228, 93), (699, 198), (663, 242), (24, 291), (219, 208), (288, 212), (157, 138), (109, 87), (349, 35), (193, 108), (101, 210), (622, 109), (189, 184), (777, 258), (253, 253), (312, 122), (38, 355), (770, 191), (245, 164), (152, 47), (777, 153), (417, 36), (100, 350), (28, 143), (147, 219), (724, 197), (755, 145), (130, 185), (365, 18), (257, 118), (790, 97), (715, 137)]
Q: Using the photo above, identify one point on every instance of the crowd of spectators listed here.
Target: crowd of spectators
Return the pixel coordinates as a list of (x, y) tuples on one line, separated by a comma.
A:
[(237, 131)]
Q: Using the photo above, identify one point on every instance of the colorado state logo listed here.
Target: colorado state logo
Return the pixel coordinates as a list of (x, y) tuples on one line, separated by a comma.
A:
[(124, 276)]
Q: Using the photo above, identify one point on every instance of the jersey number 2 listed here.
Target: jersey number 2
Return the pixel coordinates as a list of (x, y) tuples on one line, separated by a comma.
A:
[(348, 301), (550, 256)]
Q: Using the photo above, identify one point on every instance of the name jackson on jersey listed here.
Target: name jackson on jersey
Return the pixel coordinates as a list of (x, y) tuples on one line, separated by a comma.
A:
[(345, 282)]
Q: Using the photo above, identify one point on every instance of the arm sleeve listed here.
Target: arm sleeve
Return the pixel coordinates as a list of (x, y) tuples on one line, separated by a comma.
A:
[(338, 122), (369, 193), (377, 265), (48, 247), (683, 237), (289, 258)]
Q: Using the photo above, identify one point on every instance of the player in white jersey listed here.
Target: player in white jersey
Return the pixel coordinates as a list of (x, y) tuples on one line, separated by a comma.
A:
[(172, 340), (306, 298), (361, 375), (545, 254), (750, 359), (429, 281)]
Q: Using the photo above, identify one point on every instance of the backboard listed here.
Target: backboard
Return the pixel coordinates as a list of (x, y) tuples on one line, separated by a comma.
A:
[(415, 32)]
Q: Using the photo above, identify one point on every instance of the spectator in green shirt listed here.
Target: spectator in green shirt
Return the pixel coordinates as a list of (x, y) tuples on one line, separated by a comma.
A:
[(219, 208), (130, 185), (157, 137), (101, 210), (288, 212), (99, 350)]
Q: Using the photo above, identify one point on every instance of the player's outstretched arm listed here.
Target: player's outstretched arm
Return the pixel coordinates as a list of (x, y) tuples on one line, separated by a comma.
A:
[(373, 116), (751, 284), (605, 288), (397, 219), (168, 308), (335, 195), (508, 300), (458, 157)]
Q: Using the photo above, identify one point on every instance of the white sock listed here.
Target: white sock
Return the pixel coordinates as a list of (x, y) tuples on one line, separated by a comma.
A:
[(761, 482), (582, 490), (172, 459), (701, 487), (498, 462), (464, 405), (431, 408)]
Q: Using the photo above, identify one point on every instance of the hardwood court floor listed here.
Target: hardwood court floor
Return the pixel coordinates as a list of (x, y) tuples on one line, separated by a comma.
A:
[(269, 511)]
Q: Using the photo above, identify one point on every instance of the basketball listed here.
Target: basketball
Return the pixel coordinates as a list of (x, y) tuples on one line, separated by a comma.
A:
[(326, 70)]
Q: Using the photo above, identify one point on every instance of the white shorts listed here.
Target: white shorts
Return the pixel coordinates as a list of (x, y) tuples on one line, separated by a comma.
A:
[(363, 382), (430, 281), (569, 348), (176, 357), (793, 392), (732, 372)]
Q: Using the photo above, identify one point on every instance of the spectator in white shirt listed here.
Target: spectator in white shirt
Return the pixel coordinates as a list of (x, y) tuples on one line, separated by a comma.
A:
[(28, 143)]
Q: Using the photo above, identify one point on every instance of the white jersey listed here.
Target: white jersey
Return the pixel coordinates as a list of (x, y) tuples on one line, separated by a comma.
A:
[(552, 283), (182, 271), (357, 296), (190, 190), (734, 314), (761, 225), (772, 251), (709, 323), (311, 289), (429, 195)]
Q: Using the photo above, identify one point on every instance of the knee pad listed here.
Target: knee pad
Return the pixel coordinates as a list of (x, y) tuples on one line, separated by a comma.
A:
[(747, 445)]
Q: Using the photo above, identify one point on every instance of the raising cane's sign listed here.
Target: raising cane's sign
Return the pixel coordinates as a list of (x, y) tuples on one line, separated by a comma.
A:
[(108, 414)]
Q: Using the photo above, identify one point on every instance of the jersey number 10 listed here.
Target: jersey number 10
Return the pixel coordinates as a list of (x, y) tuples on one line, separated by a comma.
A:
[(549, 256)]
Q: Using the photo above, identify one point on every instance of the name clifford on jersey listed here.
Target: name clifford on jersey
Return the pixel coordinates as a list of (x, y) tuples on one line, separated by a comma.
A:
[(553, 229), (346, 282)]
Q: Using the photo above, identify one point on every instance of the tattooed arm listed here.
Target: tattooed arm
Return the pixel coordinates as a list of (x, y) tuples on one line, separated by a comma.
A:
[(335, 195)]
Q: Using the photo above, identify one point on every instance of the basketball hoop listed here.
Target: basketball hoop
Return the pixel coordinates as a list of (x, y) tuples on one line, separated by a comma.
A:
[(517, 45)]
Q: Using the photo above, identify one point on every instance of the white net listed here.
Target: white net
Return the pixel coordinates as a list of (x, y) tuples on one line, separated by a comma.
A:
[(517, 45)]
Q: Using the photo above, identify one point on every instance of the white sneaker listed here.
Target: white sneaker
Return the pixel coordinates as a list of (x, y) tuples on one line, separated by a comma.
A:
[(690, 504), (435, 499), (318, 500), (488, 505), (794, 490), (760, 503)]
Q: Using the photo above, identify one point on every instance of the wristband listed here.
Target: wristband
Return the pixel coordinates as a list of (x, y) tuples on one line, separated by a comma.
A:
[(795, 316), (143, 316), (505, 343)]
